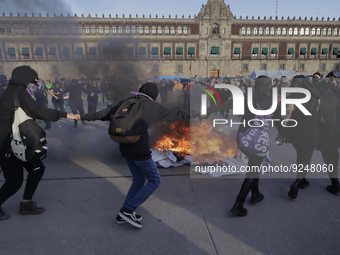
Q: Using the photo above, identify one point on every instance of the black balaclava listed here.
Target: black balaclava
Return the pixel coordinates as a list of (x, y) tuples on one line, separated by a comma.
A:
[(150, 89), (263, 84), (23, 75)]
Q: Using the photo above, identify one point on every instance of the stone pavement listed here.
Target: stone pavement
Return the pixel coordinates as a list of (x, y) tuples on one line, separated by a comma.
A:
[(86, 181)]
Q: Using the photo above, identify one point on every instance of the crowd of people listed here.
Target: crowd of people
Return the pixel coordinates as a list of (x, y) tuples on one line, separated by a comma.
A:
[(318, 131)]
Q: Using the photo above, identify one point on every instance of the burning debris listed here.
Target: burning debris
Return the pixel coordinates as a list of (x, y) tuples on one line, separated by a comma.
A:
[(171, 143), (208, 143), (195, 143), (174, 136)]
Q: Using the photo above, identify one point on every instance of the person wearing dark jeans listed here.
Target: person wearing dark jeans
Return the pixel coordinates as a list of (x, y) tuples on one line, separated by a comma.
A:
[(138, 192), (138, 155)]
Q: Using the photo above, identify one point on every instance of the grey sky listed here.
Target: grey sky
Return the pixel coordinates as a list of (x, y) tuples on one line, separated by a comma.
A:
[(291, 8)]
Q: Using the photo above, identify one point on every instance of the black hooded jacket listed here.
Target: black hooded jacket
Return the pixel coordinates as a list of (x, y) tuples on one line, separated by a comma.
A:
[(306, 132), (21, 77)]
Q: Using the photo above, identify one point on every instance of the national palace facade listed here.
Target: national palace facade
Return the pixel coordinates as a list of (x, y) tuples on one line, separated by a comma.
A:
[(212, 43)]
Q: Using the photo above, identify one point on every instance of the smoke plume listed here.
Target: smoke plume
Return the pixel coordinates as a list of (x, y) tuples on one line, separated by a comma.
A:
[(35, 6)]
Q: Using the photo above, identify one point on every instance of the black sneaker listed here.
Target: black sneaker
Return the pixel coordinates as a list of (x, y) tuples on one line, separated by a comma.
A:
[(333, 189), (3, 214), (130, 217), (239, 210), (303, 183), (30, 207), (256, 197), (293, 192), (120, 220)]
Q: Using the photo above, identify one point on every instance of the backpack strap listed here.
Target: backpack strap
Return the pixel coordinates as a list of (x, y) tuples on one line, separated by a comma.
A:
[(16, 100), (142, 94)]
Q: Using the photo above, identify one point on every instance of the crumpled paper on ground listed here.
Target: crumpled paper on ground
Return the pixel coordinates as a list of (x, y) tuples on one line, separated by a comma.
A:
[(167, 159)]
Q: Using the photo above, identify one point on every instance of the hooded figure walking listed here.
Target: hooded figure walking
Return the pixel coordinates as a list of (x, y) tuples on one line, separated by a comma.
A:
[(12, 167)]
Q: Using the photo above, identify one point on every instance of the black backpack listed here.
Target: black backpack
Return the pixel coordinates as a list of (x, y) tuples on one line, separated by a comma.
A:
[(126, 124)]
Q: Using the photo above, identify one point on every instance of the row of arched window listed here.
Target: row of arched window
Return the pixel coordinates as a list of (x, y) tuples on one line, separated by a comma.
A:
[(314, 31), (137, 30), (37, 30)]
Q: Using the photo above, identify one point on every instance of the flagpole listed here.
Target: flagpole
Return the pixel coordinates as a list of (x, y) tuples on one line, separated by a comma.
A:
[(276, 1)]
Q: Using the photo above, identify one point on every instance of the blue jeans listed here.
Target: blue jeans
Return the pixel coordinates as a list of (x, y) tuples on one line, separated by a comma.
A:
[(138, 192)]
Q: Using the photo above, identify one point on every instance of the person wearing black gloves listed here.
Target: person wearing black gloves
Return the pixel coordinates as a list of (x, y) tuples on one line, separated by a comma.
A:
[(11, 166), (138, 154)]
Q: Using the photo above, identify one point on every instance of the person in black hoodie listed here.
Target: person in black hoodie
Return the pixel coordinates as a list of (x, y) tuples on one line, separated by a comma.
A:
[(138, 154), (11, 166), (305, 135), (92, 90), (329, 131), (75, 88)]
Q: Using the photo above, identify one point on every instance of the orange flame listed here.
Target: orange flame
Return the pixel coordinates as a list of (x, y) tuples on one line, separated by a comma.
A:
[(178, 139), (208, 142), (201, 140)]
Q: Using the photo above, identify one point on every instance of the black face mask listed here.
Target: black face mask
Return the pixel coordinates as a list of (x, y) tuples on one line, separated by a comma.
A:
[(315, 79)]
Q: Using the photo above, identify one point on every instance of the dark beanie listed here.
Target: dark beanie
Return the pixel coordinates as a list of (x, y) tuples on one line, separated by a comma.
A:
[(150, 89)]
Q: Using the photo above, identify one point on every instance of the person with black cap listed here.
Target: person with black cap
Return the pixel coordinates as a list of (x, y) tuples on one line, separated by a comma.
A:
[(138, 154), (12, 167)]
